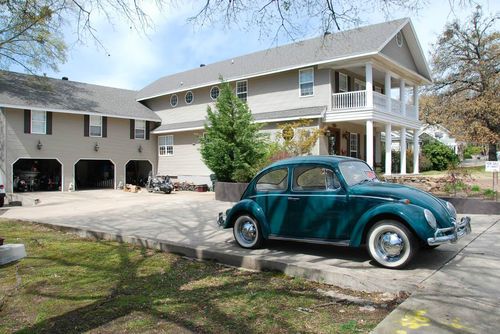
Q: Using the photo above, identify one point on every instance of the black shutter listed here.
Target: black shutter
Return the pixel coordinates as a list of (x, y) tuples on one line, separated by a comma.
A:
[(132, 129), (27, 121), (359, 146), (104, 126), (349, 84), (365, 150), (336, 87), (86, 121), (48, 129), (148, 129)]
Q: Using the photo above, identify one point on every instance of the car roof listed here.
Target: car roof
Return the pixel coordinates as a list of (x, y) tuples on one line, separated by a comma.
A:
[(325, 159)]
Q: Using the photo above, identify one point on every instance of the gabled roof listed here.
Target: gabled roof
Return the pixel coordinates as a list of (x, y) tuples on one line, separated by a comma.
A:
[(363, 41), (25, 91)]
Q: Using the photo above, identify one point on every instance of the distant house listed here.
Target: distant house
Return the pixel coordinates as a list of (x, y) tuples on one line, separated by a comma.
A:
[(443, 135), (355, 84)]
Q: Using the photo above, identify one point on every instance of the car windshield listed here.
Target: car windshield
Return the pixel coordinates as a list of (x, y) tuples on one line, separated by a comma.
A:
[(357, 172)]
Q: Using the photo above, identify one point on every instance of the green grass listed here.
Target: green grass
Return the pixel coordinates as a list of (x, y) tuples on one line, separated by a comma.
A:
[(73, 285)]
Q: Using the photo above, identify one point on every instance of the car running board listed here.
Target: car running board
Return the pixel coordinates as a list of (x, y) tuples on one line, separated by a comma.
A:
[(312, 240)]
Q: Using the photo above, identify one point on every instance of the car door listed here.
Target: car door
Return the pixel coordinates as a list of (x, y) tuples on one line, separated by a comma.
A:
[(316, 204)]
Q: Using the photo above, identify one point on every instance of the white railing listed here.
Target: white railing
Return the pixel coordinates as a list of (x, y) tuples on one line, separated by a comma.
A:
[(410, 111), (350, 100), (395, 106), (379, 101)]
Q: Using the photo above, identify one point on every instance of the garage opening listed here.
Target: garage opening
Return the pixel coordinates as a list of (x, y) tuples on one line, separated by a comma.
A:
[(94, 174), (37, 175), (137, 172)]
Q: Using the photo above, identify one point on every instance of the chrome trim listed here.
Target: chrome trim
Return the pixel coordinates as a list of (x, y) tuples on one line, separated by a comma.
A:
[(221, 220), (451, 234), (311, 241)]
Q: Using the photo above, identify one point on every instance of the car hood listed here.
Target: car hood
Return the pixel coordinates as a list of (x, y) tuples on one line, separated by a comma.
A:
[(399, 192)]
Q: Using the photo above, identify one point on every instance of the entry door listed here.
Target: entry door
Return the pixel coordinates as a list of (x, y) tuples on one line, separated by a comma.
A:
[(334, 142), (316, 205)]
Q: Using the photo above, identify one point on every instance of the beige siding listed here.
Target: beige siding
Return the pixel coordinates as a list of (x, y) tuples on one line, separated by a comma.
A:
[(401, 55), (68, 144)]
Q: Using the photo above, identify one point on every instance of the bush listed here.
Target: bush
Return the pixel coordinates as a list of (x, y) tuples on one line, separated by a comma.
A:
[(471, 150), (441, 156)]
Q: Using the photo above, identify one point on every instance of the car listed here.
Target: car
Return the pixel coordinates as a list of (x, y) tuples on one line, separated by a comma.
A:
[(338, 200)]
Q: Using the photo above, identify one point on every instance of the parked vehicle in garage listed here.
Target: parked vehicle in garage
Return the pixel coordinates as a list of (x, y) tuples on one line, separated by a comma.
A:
[(339, 201), (159, 184)]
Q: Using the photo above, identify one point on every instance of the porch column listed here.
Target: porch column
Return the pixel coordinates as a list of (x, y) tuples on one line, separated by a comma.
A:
[(402, 150), (415, 101), (402, 96), (387, 90), (388, 144), (416, 150), (369, 85), (369, 143), (378, 147)]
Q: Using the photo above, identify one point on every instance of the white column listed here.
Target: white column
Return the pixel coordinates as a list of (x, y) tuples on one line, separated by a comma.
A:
[(388, 144), (416, 150), (369, 143), (402, 150), (402, 96), (387, 90), (378, 148), (415, 101), (369, 84)]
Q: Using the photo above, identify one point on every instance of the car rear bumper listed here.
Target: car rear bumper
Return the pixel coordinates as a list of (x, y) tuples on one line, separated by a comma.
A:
[(451, 234)]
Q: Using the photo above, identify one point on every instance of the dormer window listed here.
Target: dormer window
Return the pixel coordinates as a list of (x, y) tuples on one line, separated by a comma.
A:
[(174, 100)]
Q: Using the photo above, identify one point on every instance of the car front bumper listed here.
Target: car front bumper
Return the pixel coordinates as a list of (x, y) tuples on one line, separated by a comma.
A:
[(451, 234), (221, 220)]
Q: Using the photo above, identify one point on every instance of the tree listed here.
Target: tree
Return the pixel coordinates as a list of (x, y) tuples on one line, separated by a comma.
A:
[(295, 138), (232, 146), (31, 30), (465, 95)]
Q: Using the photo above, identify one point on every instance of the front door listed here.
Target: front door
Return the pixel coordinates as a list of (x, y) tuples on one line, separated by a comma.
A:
[(334, 141)]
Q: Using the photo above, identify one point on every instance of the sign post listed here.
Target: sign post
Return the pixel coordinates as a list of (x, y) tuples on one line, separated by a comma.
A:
[(493, 167)]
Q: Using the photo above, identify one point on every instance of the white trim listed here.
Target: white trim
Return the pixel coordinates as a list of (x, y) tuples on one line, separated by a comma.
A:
[(404, 69), (258, 74), (36, 158), (185, 97), (210, 92), (176, 103), (76, 112), (300, 90), (100, 159), (405, 22), (125, 168)]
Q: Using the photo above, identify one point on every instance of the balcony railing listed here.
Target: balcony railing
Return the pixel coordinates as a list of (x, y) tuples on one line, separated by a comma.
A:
[(358, 100)]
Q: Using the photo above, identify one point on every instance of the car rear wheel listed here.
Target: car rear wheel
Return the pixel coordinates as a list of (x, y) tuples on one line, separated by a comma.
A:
[(391, 244), (247, 232)]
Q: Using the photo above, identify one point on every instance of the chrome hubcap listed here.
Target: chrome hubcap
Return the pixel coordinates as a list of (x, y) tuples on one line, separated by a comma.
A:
[(248, 231), (390, 246)]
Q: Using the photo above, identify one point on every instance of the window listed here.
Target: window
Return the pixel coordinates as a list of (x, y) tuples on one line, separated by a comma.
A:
[(276, 179), (399, 39), (140, 129), (166, 145), (174, 100), (242, 90), (359, 85), (353, 145), (38, 122), (306, 82), (314, 178), (355, 172), (214, 92), (343, 86), (95, 126), (189, 97)]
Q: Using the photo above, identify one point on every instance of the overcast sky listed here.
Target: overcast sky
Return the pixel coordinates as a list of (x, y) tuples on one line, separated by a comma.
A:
[(133, 61)]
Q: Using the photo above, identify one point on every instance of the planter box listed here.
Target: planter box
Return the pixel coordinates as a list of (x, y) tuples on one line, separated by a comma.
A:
[(229, 191)]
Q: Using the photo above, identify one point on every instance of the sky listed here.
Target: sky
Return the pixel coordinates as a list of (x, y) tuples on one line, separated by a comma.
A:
[(132, 60)]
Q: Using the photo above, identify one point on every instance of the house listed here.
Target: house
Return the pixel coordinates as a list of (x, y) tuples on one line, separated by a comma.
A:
[(443, 135), (354, 84)]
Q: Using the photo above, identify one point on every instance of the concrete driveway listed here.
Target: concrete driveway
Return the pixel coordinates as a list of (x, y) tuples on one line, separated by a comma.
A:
[(184, 222)]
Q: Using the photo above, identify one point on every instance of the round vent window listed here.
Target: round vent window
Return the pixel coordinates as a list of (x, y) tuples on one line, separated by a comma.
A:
[(189, 97), (173, 100), (399, 39), (214, 92)]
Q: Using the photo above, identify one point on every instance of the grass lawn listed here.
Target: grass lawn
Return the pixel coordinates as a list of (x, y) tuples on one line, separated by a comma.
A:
[(73, 285)]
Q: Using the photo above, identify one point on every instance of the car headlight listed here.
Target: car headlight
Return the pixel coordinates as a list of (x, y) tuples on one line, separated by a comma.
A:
[(452, 210), (431, 220)]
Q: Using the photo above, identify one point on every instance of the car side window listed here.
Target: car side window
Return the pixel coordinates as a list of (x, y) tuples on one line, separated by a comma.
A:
[(276, 179), (314, 178)]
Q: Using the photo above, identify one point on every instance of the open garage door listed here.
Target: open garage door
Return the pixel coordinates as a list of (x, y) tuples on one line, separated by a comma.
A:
[(137, 172), (37, 175), (94, 174)]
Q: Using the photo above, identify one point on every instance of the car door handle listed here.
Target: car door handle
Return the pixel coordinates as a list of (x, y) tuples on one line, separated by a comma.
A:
[(293, 198)]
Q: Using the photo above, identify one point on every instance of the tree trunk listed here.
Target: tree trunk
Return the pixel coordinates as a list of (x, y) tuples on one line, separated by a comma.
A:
[(492, 152)]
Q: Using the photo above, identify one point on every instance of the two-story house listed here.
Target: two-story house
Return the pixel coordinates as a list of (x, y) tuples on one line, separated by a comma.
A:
[(355, 85)]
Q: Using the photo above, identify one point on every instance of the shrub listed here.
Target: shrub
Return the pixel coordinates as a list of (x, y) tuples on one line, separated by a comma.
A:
[(475, 188), (440, 155), (471, 150)]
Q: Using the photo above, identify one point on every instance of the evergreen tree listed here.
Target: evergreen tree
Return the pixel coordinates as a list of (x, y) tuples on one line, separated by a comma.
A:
[(232, 146)]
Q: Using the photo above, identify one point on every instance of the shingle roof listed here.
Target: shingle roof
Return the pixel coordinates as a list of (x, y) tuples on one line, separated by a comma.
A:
[(35, 92), (330, 47), (311, 112)]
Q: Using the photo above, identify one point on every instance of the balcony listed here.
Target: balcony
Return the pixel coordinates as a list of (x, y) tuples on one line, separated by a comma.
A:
[(358, 101)]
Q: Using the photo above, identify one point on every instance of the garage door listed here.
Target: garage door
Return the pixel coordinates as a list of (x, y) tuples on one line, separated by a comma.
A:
[(94, 174), (137, 172), (36, 175)]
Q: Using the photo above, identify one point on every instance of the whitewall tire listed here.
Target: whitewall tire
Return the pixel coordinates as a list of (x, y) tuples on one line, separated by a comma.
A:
[(247, 232)]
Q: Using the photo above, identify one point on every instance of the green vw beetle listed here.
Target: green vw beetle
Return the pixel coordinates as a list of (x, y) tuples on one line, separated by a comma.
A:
[(338, 200)]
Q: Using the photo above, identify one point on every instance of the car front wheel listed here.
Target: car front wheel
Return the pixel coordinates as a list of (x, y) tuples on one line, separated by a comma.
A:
[(247, 232), (391, 244)]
